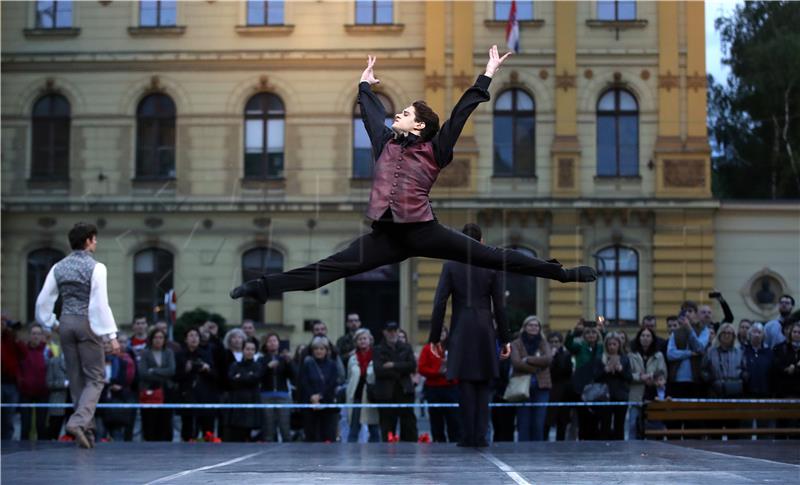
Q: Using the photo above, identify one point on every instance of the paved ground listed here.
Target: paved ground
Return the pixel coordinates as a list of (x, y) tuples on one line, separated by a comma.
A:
[(627, 462)]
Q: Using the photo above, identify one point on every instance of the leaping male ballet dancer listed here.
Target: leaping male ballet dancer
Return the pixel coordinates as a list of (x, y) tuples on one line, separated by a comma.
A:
[(409, 157)]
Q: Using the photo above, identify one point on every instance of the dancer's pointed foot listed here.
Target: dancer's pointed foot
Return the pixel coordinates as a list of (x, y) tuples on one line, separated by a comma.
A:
[(581, 274), (255, 289)]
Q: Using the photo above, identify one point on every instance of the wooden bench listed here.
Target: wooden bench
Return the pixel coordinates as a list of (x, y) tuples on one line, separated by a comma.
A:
[(714, 412)]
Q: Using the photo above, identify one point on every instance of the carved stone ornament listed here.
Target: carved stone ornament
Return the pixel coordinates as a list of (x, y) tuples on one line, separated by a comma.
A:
[(684, 174), (645, 75), (696, 81), (588, 74), (668, 81), (434, 81), (543, 74), (565, 81), (566, 173)]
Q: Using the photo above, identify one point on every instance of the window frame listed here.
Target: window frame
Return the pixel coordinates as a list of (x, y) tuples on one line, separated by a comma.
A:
[(519, 19), (374, 9), (617, 274), (53, 123), (265, 117), (616, 115), (159, 295), (158, 24), (266, 21), (515, 114), (161, 122), (266, 252), (616, 17)]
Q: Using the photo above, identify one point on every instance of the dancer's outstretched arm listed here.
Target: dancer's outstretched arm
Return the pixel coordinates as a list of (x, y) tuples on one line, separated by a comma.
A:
[(445, 140), (372, 111)]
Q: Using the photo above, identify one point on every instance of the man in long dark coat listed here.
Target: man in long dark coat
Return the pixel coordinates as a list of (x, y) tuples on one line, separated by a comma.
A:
[(472, 346)]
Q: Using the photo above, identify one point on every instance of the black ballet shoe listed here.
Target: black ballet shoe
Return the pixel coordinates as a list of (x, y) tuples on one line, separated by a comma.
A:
[(255, 289), (581, 274)]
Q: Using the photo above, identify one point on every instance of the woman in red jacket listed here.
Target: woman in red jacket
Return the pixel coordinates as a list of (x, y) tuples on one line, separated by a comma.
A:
[(438, 389), (32, 380)]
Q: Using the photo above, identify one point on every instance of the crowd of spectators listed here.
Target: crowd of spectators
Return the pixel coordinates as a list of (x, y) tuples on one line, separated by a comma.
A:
[(698, 358)]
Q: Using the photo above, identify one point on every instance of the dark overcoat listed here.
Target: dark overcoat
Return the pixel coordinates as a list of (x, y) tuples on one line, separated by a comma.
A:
[(478, 303)]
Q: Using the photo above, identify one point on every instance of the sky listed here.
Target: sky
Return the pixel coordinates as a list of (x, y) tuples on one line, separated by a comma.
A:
[(714, 54)]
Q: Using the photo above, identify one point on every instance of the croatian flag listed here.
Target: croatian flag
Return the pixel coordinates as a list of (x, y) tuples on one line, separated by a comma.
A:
[(512, 28)]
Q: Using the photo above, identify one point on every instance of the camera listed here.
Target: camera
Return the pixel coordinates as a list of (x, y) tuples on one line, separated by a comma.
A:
[(714, 294)]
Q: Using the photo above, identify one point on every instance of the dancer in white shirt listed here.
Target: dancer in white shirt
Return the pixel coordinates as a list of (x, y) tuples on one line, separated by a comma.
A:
[(86, 322)]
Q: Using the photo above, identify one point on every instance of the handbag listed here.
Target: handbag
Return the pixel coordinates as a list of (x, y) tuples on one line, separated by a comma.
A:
[(595, 392), (518, 389), (151, 396)]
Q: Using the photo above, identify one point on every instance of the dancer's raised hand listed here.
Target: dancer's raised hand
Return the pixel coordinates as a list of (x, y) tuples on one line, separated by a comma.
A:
[(495, 61), (368, 75)]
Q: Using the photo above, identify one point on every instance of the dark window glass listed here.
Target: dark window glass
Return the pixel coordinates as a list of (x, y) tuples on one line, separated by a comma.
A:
[(503, 8), (158, 13), (618, 284), (256, 263), (514, 129), (155, 137), (264, 120), (153, 276), (520, 294), (39, 263), (50, 141), (617, 134), (363, 158)]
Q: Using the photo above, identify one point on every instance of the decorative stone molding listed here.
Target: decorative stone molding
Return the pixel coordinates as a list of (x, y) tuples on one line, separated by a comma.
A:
[(684, 173), (51, 33), (174, 31), (644, 75), (370, 29), (668, 81), (462, 81), (762, 291), (264, 30), (434, 81), (696, 81), (565, 81), (566, 173), (588, 74), (543, 74)]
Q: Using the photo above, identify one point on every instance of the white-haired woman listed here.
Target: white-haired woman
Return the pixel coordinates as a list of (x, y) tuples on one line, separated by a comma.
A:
[(360, 373), (318, 386), (758, 362), (723, 364)]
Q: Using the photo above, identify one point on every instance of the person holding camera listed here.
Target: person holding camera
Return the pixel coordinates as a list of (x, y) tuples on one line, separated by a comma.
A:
[(706, 315)]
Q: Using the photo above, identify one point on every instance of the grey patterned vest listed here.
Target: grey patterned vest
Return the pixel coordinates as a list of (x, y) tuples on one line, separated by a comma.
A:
[(74, 278)]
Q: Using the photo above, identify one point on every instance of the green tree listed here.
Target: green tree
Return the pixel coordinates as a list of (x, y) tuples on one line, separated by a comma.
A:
[(754, 118), (195, 318)]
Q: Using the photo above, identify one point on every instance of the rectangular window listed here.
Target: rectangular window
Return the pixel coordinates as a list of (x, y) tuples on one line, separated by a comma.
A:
[(374, 12), (616, 10), (158, 13), (54, 15), (606, 146), (503, 8), (260, 12)]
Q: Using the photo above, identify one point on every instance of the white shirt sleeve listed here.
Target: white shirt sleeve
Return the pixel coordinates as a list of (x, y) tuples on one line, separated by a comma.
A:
[(100, 317), (46, 301)]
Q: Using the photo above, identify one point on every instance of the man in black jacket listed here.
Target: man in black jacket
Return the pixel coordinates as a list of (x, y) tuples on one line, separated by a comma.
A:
[(394, 362)]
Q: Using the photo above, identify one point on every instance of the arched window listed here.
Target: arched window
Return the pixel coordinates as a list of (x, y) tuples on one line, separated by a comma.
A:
[(258, 262), (50, 121), (155, 137), (520, 293), (617, 134), (363, 158), (153, 276), (39, 263), (264, 122), (514, 131), (618, 285)]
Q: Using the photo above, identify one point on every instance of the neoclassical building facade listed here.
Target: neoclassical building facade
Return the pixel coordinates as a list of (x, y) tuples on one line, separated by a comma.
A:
[(213, 141)]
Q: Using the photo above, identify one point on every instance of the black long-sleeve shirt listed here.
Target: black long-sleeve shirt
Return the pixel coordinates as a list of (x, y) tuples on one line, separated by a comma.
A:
[(373, 114)]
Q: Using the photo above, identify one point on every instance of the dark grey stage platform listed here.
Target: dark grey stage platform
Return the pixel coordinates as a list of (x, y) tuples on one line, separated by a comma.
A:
[(642, 462)]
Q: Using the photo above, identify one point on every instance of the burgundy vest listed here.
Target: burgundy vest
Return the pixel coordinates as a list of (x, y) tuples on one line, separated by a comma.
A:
[(402, 181)]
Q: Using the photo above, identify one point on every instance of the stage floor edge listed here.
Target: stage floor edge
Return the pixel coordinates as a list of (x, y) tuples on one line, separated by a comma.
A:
[(623, 462)]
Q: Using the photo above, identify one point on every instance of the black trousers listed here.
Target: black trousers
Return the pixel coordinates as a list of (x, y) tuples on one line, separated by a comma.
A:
[(503, 422), (615, 430), (157, 424), (320, 425), (474, 405), (442, 418), (388, 418), (389, 243)]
